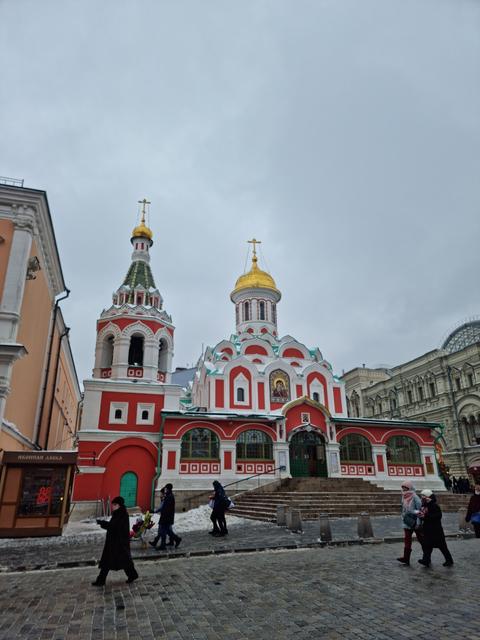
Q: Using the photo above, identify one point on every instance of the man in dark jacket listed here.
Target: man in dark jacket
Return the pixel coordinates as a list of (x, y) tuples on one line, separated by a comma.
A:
[(433, 535), (167, 518), (116, 551)]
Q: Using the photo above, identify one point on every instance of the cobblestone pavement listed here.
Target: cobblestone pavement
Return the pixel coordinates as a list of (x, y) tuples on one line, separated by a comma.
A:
[(38, 553), (332, 593)]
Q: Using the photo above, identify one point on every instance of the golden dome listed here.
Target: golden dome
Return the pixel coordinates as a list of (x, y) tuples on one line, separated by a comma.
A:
[(142, 231), (255, 279)]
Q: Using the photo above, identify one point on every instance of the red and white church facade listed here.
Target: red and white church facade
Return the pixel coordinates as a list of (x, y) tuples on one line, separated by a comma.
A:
[(258, 403)]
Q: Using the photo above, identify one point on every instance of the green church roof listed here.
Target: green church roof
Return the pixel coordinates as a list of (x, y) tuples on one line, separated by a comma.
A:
[(139, 273)]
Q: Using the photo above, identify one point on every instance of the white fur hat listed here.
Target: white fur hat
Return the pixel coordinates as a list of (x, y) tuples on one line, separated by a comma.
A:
[(427, 493)]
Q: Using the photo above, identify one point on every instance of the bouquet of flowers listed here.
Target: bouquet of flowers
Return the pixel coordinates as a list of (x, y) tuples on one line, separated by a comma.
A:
[(141, 526)]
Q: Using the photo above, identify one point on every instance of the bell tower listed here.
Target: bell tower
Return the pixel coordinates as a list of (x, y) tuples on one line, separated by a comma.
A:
[(135, 334)]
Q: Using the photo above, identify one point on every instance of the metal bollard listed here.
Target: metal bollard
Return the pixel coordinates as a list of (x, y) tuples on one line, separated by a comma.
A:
[(325, 530), (295, 521), (281, 515), (462, 523), (364, 526)]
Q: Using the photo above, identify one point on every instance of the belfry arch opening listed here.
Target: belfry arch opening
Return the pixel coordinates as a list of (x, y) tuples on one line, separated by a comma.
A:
[(107, 352), (135, 352)]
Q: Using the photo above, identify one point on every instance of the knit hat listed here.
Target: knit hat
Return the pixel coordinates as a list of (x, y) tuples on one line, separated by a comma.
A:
[(119, 500), (427, 493), (169, 486)]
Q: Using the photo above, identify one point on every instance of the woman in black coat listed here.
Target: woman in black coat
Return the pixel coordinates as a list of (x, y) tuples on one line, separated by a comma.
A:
[(218, 513), (433, 535), (116, 551)]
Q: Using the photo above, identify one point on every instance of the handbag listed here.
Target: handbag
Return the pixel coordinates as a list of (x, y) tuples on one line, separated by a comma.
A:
[(211, 503), (475, 518)]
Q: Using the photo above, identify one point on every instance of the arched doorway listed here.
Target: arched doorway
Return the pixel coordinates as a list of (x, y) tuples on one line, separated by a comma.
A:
[(307, 455), (128, 488)]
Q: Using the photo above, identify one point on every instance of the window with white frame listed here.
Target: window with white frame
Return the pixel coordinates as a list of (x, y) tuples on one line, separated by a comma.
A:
[(316, 392), (145, 413), (118, 413), (241, 390)]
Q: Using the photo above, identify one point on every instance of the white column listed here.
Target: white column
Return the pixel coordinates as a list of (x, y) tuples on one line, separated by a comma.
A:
[(14, 284), (332, 451), (120, 357), (11, 304)]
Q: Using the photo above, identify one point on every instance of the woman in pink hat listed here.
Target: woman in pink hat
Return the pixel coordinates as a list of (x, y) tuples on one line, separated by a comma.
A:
[(411, 505)]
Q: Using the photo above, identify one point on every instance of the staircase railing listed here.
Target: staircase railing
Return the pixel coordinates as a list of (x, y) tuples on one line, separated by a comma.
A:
[(204, 494)]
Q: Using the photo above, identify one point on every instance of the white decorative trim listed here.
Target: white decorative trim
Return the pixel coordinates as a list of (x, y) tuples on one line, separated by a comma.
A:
[(150, 407), (114, 406)]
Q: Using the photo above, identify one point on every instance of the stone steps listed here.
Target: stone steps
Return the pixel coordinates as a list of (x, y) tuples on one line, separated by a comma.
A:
[(335, 497)]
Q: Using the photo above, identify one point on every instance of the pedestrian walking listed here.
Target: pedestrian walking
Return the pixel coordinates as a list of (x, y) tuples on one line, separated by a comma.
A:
[(167, 518), (116, 551), (154, 542), (220, 505), (473, 511), (433, 535), (454, 484), (411, 505)]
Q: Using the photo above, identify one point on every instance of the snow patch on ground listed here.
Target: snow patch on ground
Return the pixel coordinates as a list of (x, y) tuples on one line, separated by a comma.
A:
[(194, 520)]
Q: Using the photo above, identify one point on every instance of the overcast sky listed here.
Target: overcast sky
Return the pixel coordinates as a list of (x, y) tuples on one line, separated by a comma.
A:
[(344, 134)]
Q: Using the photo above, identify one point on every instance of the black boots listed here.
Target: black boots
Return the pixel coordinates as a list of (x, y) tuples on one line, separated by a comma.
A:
[(405, 559)]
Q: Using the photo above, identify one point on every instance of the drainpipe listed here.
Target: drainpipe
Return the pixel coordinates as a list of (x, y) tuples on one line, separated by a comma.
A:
[(159, 462), (455, 413), (47, 370), (52, 398)]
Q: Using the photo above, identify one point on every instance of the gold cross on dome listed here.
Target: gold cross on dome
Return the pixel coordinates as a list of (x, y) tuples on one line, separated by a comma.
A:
[(144, 202), (254, 242)]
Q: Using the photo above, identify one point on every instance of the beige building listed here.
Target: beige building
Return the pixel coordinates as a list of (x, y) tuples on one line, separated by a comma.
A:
[(442, 386), (39, 391)]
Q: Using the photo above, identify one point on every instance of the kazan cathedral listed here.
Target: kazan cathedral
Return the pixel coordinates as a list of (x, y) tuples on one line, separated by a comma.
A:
[(257, 404)]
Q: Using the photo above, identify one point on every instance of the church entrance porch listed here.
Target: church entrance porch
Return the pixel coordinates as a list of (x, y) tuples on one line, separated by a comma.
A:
[(307, 455)]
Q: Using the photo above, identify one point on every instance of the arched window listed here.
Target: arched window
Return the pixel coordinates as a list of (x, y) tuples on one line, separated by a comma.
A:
[(200, 443), (107, 352), (403, 450), (274, 314), (145, 414), (254, 445), (246, 311), (118, 414), (316, 396), (135, 352), (355, 448), (240, 394), (261, 310)]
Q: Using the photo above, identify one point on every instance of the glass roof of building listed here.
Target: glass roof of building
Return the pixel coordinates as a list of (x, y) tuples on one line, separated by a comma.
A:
[(465, 335)]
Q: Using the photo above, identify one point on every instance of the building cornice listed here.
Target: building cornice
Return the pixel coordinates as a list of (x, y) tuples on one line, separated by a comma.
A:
[(28, 209)]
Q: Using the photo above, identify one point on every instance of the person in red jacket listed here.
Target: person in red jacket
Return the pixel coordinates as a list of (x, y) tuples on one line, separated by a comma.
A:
[(473, 511)]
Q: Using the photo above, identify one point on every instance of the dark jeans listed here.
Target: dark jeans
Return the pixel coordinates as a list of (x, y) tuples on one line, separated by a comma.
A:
[(130, 572), (166, 532), (218, 519), (476, 528)]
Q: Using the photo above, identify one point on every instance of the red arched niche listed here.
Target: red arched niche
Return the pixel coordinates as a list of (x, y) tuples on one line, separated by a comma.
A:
[(236, 371), (292, 353), (256, 349), (318, 376), (130, 457), (294, 417)]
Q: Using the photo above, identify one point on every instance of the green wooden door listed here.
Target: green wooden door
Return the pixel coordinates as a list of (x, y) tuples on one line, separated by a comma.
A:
[(307, 455), (128, 488)]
